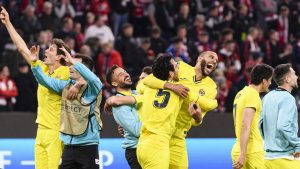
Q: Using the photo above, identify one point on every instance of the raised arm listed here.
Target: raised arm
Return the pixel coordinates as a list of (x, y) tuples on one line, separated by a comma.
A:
[(16, 38), (50, 83), (92, 80)]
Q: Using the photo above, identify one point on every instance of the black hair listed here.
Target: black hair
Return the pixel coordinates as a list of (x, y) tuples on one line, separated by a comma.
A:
[(162, 66), (86, 60), (110, 73), (147, 70), (176, 40), (260, 72), (280, 73)]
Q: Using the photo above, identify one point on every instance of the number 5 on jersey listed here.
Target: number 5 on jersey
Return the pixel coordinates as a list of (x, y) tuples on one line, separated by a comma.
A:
[(165, 100)]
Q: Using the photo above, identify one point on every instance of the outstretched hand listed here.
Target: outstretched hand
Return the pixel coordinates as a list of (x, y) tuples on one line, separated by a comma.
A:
[(68, 58), (4, 16), (34, 53)]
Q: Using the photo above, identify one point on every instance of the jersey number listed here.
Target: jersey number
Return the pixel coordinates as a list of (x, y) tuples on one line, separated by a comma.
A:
[(165, 100)]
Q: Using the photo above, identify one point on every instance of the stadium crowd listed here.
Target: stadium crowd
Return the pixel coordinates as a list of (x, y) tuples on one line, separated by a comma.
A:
[(130, 34)]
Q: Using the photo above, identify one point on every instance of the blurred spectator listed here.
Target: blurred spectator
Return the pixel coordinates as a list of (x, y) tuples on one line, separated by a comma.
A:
[(266, 12), (47, 19), (67, 30), (293, 16), (215, 22), (8, 90), (272, 49), (126, 45), (250, 44), (200, 45), (158, 44), (199, 26), (145, 54), (80, 9), (296, 55), (241, 23), (29, 24), (229, 61), (161, 14), (14, 10), (79, 35), (27, 88), (71, 44), (178, 50), (105, 60), (64, 9), (222, 92), (90, 20), (286, 55), (100, 7), (183, 17), (227, 35), (99, 30), (86, 50), (283, 24), (120, 10), (182, 33), (139, 17), (43, 41)]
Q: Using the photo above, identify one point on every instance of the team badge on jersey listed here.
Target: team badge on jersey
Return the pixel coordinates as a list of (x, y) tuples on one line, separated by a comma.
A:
[(201, 92)]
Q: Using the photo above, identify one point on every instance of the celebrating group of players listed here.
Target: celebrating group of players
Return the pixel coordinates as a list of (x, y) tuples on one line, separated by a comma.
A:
[(157, 116)]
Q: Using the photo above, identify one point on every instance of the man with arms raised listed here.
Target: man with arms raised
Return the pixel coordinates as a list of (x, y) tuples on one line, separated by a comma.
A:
[(48, 147)]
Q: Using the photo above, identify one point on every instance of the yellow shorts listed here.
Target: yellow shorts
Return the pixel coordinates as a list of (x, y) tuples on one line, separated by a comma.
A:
[(253, 160), (48, 148), (153, 150), (178, 153), (282, 163)]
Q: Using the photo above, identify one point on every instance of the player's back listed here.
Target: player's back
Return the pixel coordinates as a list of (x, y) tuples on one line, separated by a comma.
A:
[(160, 110), (248, 97)]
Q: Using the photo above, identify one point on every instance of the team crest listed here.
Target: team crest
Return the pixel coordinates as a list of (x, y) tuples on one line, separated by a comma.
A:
[(201, 92)]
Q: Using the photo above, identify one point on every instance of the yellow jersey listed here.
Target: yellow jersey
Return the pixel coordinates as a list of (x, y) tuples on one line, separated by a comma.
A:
[(206, 89), (248, 97), (140, 87), (49, 102), (160, 109)]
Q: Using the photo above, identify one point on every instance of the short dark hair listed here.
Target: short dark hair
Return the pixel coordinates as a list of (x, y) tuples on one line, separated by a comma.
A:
[(176, 39), (181, 27), (260, 72), (60, 43), (86, 60), (280, 73), (126, 25), (162, 66), (110, 73), (147, 70)]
